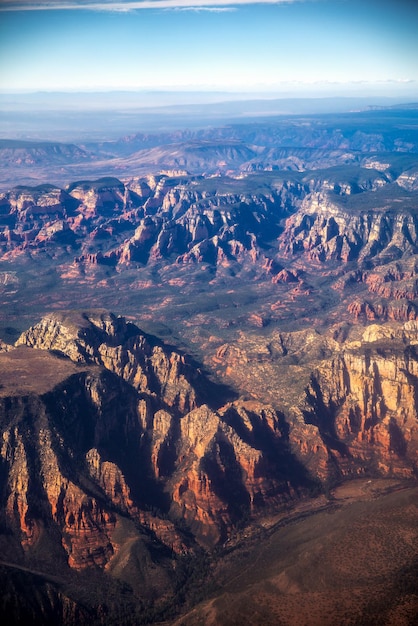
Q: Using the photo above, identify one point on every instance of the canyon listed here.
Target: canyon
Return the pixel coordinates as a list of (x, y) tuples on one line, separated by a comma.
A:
[(203, 350)]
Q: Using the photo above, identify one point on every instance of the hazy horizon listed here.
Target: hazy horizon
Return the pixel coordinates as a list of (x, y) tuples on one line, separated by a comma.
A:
[(289, 48), (90, 117), (165, 64)]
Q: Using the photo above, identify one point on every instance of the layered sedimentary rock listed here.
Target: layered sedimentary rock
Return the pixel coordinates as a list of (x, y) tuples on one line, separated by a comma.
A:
[(104, 422), (349, 398), (364, 400), (140, 429), (324, 230), (40, 486), (119, 347), (272, 225)]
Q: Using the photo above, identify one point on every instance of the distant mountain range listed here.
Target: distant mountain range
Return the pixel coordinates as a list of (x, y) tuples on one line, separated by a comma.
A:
[(93, 116), (295, 143)]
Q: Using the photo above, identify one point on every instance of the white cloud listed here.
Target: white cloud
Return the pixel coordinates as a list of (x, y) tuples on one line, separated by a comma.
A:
[(201, 9), (132, 5)]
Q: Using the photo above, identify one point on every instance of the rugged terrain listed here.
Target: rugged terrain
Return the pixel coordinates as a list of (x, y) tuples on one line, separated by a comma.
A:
[(261, 357), (118, 454)]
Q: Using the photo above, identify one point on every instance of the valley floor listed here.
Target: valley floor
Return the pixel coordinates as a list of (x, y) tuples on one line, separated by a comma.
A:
[(351, 559)]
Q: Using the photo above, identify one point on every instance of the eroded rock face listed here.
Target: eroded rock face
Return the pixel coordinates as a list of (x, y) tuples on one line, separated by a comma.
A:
[(158, 217), (66, 455), (293, 227), (139, 429), (105, 197), (364, 404), (191, 225), (147, 433), (348, 397), (324, 231), (121, 348), (45, 439), (113, 445)]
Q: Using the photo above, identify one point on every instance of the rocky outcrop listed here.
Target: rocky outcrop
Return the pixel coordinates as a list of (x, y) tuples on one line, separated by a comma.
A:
[(186, 224), (364, 404), (209, 466), (167, 444), (169, 217), (120, 347), (113, 445), (27, 211), (105, 197), (408, 179), (274, 232), (324, 230), (44, 441), (348, 397), (68, 456)]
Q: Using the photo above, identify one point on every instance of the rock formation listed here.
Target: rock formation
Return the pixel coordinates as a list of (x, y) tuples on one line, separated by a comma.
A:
[(284, 262), (124, 425), (127, 431)]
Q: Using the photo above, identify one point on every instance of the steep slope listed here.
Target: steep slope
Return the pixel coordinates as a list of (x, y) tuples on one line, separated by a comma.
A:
[(370, 227), (118, 455), (348, 396), (204, 465), (208, 462)]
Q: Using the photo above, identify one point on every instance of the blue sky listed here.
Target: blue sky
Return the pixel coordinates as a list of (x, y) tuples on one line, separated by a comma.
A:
[(311, 47)]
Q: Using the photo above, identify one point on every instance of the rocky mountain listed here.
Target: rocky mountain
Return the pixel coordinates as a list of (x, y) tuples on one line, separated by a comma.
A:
[(173, 213), (357, 223), (19, 152), (256, 383), (114, 444), (183, 439)]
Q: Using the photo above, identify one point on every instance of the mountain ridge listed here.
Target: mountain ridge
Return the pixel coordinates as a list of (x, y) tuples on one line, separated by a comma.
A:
[(251, 400)]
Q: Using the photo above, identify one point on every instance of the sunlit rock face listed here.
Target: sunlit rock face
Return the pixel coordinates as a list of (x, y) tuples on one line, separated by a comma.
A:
[(107, 422), (355, 224), (364, 404), (104, 423), (119, 347), (349, 403), (324, 231), (108, 222)]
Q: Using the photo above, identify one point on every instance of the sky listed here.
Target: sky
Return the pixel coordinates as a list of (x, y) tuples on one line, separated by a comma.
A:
[(289, 47)]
